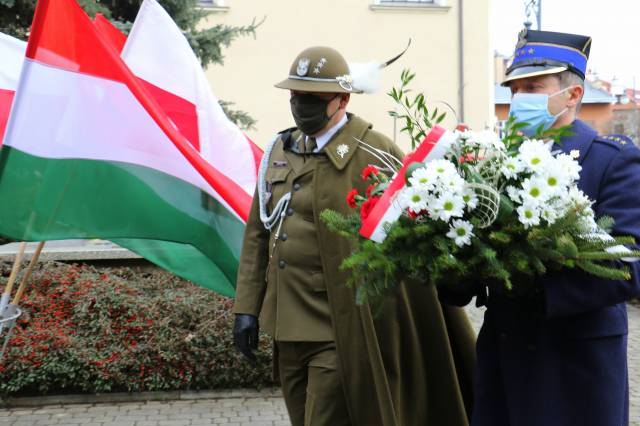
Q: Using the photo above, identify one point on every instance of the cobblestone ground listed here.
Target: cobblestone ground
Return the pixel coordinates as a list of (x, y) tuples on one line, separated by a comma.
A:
[(236, 409)]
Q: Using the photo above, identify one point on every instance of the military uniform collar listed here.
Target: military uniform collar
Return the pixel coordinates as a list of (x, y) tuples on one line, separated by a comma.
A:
[(341, 148), (580, 141), (323, 139)]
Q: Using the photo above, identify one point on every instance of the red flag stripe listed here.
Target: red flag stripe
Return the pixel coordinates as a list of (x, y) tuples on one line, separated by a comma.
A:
[(115, 36)]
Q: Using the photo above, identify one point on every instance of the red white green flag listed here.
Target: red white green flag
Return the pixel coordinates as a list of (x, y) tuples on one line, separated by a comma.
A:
[(89, 153)]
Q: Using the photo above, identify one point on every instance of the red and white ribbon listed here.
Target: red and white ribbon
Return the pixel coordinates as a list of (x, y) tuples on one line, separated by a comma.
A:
[(387, 210)]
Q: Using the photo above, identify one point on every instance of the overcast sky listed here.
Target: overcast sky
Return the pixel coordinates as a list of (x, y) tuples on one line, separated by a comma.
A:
[(614, 26)]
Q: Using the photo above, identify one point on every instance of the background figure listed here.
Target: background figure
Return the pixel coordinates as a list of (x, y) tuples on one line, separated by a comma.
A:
[(559, 356)]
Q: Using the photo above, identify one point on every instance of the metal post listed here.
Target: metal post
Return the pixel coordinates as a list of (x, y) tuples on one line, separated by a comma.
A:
[(536, 7), (539, 14)]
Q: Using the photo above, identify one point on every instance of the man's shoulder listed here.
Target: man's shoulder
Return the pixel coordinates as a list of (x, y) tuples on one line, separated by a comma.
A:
[(616, 142), (613, 147), (283, 137), (369, 134)]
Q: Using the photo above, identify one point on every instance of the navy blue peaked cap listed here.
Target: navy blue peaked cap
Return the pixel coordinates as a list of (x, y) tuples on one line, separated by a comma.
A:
[(547, 52)]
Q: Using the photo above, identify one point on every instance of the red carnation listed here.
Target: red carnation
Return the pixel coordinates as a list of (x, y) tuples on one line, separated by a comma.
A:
[(369, 189), (367, 206), (351, 198), (414, 215), (368, 171)]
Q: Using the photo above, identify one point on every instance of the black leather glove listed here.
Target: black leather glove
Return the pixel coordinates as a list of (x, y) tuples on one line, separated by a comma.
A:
[(245, 335)]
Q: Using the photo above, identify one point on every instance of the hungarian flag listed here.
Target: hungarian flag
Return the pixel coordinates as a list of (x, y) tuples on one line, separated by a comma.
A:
[(12, 54), (89, 153)]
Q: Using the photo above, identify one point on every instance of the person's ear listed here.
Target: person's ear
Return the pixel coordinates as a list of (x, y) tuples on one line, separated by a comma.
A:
[(344, 100), (575, 96)]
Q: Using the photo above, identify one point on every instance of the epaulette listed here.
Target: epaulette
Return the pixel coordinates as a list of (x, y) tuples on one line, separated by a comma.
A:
[(285, 135), (616, 140), (289, 130)]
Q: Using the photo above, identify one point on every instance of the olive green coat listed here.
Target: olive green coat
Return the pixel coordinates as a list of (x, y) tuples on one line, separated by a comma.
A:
[(412, 363)]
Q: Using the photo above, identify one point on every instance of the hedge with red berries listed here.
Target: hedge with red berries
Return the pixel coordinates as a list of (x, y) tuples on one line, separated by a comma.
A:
[(112, 330)]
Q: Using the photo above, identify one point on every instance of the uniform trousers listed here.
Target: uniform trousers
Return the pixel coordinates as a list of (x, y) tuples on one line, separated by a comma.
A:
[(311, 385)]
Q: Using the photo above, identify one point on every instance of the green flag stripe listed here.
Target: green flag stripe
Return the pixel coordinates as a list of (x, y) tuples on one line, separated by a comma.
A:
[(49, 199)]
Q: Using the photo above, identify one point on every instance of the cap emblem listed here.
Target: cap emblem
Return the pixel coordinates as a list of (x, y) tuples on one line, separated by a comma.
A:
[(522, 39), (303, 67)]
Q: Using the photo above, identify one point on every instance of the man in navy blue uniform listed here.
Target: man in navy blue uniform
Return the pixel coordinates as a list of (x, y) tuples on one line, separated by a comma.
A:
[(561, 358)]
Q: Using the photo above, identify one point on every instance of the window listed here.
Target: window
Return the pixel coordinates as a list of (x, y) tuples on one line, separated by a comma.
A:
[(211, 3), (406, 1), (425, 5)]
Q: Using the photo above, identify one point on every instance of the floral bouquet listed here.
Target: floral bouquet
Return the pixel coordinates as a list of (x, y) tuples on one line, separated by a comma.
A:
[(487, 210)]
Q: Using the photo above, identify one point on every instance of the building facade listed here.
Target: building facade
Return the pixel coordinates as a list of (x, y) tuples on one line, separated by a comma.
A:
[(450, 53)]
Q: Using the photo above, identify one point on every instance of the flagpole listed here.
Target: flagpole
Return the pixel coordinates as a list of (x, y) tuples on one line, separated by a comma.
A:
[(6, 296), (27, 274)]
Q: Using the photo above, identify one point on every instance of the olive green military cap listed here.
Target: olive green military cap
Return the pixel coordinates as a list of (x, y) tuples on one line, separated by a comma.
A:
[(319, 69)]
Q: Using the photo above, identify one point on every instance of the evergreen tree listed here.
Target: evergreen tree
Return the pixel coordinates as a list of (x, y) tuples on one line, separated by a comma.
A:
[(16, 16)]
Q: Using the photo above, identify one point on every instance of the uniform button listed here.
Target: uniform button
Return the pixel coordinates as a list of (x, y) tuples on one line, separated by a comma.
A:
[(503, 337), (289, 211), (284, 237), (282, 264), (296, 186)]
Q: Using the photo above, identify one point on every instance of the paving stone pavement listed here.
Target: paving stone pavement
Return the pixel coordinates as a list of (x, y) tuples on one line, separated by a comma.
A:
[(237, 408)]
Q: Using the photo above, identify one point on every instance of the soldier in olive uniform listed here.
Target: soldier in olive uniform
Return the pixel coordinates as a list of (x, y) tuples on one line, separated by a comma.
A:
[(338, 364)]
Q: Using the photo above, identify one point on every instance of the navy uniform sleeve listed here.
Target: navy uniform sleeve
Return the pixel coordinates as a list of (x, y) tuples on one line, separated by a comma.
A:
[(572, 292)]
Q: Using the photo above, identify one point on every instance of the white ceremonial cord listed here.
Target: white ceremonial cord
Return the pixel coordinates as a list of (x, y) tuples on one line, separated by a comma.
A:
[(386, 156), (280, 209), (378, 157)]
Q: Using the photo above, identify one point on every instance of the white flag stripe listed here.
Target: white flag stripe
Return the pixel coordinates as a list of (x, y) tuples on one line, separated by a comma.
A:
[(157, 52)]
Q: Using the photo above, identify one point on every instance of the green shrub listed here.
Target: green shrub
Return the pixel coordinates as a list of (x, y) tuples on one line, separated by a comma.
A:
[(108, 330)]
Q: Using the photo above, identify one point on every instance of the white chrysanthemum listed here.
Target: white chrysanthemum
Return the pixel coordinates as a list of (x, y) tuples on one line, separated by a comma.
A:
[(414, 198), (422, 178), (511, 167), (441, 168), (464, 135), (534, 190), (452, 183), (555, 176), (483, 140), (489, 139), (549, 213), (461, 232), (529, 214), (514, 194), (569, 165), (577, 197), (470, 198), (534, 154), (448, 205)]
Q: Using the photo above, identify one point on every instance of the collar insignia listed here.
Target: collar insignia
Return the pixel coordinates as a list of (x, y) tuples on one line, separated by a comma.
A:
[(342, 150)]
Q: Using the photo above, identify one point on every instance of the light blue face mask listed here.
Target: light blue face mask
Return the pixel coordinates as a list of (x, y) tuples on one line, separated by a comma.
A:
[(533, 109)]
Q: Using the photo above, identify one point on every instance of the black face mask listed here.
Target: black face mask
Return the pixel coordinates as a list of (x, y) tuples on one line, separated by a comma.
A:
[(310, 113)]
